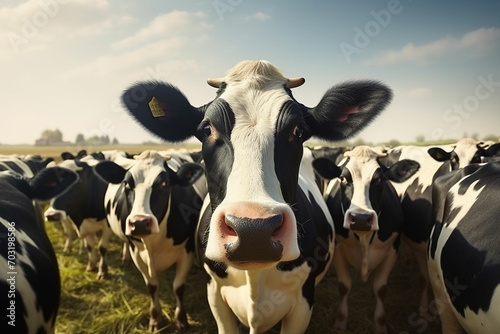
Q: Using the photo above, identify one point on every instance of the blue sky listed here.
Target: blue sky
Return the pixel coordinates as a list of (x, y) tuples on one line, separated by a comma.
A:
[(64, 63)]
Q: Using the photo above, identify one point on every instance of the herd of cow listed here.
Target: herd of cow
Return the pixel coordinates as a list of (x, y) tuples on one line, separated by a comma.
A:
[(263, 214)]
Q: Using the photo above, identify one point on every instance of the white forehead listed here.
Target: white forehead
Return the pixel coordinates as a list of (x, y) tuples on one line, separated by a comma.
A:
[(362, 163), (147, 166), (465, 150)]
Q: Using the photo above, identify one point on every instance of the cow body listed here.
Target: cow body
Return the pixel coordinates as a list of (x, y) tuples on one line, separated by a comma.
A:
[(29, 276), (265, 235), (154, 208), (368, 222), (464, 252), (82, 207), (416, 194)]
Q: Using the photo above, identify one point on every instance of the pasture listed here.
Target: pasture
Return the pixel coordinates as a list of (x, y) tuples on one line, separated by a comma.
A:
[(120, 304)]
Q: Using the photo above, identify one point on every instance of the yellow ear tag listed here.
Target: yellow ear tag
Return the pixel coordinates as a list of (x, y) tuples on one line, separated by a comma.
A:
[(156, 108)]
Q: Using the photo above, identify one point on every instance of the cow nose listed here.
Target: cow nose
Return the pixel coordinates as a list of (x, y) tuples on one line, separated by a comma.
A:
[(140, 225), (361, 221), (257, 240)]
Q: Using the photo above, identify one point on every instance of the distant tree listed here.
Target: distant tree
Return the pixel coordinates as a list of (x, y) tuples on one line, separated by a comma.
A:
[(393, 143), (105, 140), (420, 138), (491, 137), (52, 136), (115, 141), (80, 139)]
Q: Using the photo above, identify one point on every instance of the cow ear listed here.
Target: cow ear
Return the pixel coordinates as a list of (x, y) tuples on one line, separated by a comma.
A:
[(187, 174), (51, 182), (347, 108), (110, 172), (402, 170), (492, 151), (439, 154), (67, 156), (326, 168), (163, 110)]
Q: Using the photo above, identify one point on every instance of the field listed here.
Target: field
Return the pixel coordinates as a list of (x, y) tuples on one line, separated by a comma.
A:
[(120, 304)]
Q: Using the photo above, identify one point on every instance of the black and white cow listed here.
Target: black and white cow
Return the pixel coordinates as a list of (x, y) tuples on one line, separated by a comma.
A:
[(464, 249), (27, 165), (30, 285), (416, 193), (82, 207), (154, 207), (465, 152), (268, 237), (368, 222)]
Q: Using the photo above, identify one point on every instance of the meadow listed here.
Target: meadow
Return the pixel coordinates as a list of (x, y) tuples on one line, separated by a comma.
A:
[(120, 304)]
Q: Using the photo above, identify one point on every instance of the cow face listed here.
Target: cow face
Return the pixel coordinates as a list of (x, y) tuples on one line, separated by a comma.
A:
[(466, 151), (71, 200), (363, 180), (145, 188), (252, 135)]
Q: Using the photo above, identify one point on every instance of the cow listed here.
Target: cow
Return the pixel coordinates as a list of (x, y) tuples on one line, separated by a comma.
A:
[(464, 252), (26, 165), (30, 284), (154, 207), (416, 194), (465, 152), (266, 238), (82, 206), (368, 222)]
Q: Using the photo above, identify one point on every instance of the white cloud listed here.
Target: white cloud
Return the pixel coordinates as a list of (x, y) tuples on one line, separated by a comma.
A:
[(259, 16), (37, 25), (475, 43), (168, 24)]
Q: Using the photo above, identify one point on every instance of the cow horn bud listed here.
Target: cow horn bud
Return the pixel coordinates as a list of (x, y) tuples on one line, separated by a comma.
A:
[(295, 82), (215, 82)]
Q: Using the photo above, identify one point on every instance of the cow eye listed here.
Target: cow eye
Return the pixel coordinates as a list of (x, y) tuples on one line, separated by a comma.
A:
[(207, 130), (298, 132)]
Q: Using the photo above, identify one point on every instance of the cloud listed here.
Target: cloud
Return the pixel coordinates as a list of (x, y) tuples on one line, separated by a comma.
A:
[(37, 25), (476, 43), (259, 16), (172, 23)]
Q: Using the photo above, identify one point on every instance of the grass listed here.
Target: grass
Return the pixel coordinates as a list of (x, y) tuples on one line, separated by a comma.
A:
[(120, 304)]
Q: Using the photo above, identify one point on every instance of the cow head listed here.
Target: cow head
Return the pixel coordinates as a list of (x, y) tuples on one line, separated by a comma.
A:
[(145, 188), (71, 200), (364, 185), (252, 137), (465, 152)]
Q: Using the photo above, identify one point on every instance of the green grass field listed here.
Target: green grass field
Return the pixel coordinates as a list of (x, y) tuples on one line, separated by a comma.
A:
[(120, 304)]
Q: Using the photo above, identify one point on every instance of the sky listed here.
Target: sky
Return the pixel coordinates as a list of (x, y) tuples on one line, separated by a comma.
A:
[(65, 63)]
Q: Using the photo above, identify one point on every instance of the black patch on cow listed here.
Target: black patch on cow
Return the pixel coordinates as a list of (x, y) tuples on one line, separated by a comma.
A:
[(217, 148), (469, 258), (184, 211), (314, 234), (85, 198), (288, 148)]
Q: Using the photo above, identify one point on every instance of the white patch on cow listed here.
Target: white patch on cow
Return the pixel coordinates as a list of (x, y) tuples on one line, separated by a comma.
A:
[(26, 171), (261, 298), (362, 165), (148, 166), (426, 172), (465, 149), (34, 317), (462, 204), (256, 105), (482, 322)]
